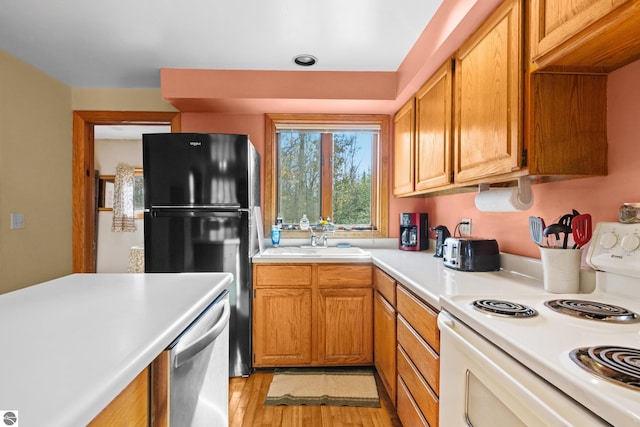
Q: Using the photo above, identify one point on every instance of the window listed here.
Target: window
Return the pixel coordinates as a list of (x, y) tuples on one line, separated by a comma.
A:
[(327, 166), (105, 193)]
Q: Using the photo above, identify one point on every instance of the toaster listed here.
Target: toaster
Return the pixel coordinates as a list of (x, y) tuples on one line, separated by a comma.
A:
[(471, 254)]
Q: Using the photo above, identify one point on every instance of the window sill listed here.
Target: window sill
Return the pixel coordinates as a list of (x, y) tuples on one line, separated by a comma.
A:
[(352, 234)]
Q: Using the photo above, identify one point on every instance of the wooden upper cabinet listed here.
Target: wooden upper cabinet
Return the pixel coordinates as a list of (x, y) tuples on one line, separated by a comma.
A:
[(433, 131), (584, 34), (404, 149), (566, 129), (489, 98)]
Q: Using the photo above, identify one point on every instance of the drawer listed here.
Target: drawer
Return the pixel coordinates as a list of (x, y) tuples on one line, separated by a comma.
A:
[(385, 284), (407, 410), (421, 393), (281, 275), (344, 275), (421, 317), (423, 357)]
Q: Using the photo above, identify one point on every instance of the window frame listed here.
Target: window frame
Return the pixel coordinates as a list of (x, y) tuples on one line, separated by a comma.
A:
[(379, 173), (101, 192)]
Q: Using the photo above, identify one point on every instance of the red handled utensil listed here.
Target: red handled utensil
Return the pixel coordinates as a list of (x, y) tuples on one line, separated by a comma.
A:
[(581, 229)]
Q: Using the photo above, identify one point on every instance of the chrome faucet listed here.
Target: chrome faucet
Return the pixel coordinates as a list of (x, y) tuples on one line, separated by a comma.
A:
[(327, 227), (315, 240)]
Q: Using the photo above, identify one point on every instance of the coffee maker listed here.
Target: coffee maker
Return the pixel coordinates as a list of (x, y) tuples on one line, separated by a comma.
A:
[(414, 234), (442, 233)]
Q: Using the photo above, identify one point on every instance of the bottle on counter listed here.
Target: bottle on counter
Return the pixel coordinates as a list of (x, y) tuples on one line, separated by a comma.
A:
[(304, 222), (275, 235)]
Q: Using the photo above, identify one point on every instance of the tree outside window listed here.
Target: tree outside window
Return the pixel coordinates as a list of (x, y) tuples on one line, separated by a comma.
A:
[(326, 167)]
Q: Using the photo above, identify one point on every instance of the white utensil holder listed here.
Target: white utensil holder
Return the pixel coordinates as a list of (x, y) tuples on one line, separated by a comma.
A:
[(561, 270)]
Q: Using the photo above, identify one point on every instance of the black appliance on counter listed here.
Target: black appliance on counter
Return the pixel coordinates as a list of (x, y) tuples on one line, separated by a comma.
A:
[(442, 233), (471, 254), (414, 234), (200, 191)]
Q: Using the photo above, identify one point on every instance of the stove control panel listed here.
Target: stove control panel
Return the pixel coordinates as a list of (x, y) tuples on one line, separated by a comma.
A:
[(615, 248)]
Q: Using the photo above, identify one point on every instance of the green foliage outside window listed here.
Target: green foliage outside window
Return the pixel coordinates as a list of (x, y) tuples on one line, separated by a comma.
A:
[(300, 157)]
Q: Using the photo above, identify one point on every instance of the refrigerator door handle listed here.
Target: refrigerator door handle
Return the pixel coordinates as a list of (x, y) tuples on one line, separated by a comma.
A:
[(206, 339), (192, 213)]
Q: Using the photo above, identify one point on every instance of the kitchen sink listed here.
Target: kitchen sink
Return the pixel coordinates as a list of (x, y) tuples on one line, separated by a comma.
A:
[(314, 252)]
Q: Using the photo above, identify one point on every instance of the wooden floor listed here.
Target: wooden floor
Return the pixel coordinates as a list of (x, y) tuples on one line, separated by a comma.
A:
[(246, 397)]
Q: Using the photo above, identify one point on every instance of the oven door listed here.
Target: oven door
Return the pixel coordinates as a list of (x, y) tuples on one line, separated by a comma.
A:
[(481, 386)]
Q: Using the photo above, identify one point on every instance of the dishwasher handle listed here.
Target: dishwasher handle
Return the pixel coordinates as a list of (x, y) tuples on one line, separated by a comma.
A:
[(207, 338)]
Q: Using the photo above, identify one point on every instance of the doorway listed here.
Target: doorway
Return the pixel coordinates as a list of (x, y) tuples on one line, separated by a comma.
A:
[(83, 174)]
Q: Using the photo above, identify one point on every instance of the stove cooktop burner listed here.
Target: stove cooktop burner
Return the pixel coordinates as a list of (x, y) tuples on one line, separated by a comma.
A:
[(619, 365), (503, 308), (593, 310)]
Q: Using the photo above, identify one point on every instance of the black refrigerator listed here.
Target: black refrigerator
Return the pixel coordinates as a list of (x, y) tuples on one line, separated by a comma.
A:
[(200, 193)]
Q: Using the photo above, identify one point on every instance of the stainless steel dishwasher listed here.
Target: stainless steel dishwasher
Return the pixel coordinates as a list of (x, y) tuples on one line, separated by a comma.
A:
[(199, 379)]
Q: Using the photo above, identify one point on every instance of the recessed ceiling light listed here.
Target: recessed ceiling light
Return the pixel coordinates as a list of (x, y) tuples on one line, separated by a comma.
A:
[(305, 60)]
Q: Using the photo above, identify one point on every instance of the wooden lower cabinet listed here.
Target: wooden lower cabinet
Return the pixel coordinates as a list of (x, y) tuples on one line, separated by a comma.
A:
[(384, 330), (345, 335), (312, 315), (282, 327), (384, 326), (407, 407), (418, 359), (130, 407)]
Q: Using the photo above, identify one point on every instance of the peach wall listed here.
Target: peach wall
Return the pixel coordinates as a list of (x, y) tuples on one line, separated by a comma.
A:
[(599, 196), (253, 125)]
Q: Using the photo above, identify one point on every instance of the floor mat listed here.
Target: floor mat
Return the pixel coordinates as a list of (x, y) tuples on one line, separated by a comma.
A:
[(326, 386)]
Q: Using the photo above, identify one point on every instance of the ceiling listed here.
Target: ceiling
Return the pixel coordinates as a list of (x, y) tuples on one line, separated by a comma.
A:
[(124, 44)]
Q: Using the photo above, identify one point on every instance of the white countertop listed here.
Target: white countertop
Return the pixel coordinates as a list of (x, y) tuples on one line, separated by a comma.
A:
[(427, 277), (70, 345)]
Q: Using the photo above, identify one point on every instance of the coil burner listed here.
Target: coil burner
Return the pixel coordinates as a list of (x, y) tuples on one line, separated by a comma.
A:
[(619, 365), (503, 308), (593, 310)]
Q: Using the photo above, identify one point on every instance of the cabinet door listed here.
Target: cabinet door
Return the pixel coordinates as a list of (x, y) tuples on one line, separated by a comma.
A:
[(282, 327), (345, 326), (130, 407), (433, 131), (584, 33), (384, 343), (489, 91), (344, 275), (403, 149)]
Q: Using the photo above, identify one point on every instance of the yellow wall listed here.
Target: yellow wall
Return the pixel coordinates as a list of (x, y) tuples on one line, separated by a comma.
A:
[(118, 100), (35, 175)]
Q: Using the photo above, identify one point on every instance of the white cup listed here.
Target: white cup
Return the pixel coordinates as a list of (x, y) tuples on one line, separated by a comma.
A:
[(561, 270)]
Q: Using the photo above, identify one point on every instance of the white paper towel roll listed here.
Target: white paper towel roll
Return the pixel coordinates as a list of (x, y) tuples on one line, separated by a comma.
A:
[(502, 200)]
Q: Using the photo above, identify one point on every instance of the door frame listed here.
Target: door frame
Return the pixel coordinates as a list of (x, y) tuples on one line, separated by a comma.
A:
[(83, 174)]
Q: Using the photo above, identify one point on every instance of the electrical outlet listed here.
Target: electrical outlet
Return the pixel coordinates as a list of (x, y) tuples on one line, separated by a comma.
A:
[(17, 221), (465, 227)]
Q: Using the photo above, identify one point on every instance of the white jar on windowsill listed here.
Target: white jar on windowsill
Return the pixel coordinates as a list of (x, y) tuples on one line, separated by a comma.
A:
[(304, 222)]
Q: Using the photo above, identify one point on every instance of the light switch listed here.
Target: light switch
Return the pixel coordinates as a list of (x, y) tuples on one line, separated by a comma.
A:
[(17, 221)]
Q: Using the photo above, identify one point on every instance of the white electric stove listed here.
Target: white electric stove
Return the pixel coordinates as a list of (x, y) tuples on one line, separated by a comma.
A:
[(547, 376)]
